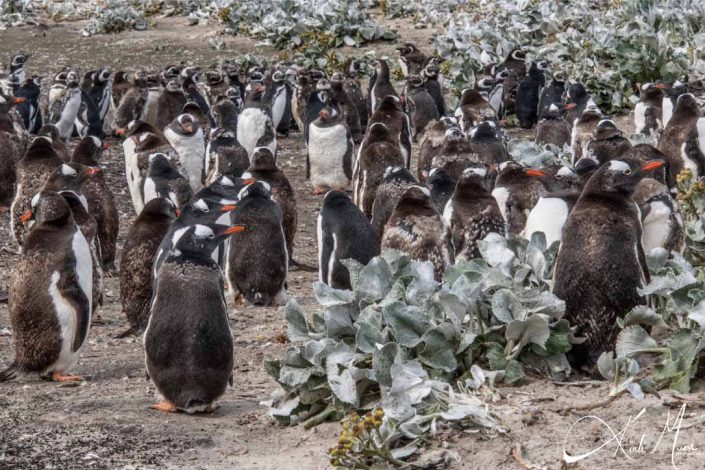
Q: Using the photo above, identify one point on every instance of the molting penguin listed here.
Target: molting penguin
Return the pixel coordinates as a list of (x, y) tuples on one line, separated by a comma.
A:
[(99, 92), (487, 141), (419, 102), (390, 113), (50, 293), (472, 213), (330, 151), (516, 192), (64, 106), (303, 87), (648, 117), (670, 98), (416, 228), (583, 128), (258, 261), (515, 63), (100, 200), (38, 163), (472, 109), (132, 103), (264, 168), (442, 187), (577, 99), (343, 233), (224, 154), (553, 128), (455, 155), (379, 87), (118, 87), (601, 264), (352, 87), (411, 59), (552, 94), (137, 259), (255, 121), (432, 140), (527, 101), (683, 139), (186, 137), (347, 106), (163, 180), (192, 364), (170, 103), (30, 110), (395, 181), (432, 78), (190, 80), (12, 146), (608, 142), (661, 220)]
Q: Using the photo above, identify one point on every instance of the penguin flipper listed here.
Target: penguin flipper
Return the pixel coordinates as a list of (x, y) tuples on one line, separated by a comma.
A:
[(326, 253), (71, 291), (347, 158), (9, 373)]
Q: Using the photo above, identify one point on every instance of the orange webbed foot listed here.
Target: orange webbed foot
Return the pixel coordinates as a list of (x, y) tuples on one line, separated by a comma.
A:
[(56, 377), (164, 406)]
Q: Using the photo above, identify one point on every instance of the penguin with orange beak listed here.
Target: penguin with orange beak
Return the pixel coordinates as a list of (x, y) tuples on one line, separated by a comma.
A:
[(255, 122), (186, 137), (330, 151), (12, 145), (601, 263)]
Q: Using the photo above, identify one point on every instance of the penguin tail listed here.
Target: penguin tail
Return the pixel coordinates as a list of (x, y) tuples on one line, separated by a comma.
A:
[(260, 300), (9, 373)]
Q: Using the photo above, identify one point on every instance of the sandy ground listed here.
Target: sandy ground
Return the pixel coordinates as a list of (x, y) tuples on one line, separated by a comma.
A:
[(105, 421)]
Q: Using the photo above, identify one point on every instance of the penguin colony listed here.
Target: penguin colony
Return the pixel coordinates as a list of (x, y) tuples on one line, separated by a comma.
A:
[(216, 217)]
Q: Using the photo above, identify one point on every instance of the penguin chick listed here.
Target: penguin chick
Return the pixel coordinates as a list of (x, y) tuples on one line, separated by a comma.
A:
[(12, 146), (430, 144), (421, 107), (395, 181), (670, 98), (608, 142), (601, 264), (527, 101), (186, 137), (170, 103), (683, 139), (347, 106), (192, 364), (442, 186), (662, 223), (353, 89), (456, 154), (487, 142), (411, 59), (472, 109), (343, 233), (516, 192), (330, 151), (390, 113), (583, 128), (164, 181), (379, 87), (553, 129), (648, 112)]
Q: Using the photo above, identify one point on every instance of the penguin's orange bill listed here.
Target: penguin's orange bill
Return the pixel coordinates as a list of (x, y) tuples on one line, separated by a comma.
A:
[(228, 208), (19, 99), (570, 106), (26, 216), (662, 86), (187, 127), (92, 171), (121, 132), (56, 377), (324, 115), (652, 165), (249, 181), (259, 89), (535, 172), (164, 406), (234, 229), (177, 211)]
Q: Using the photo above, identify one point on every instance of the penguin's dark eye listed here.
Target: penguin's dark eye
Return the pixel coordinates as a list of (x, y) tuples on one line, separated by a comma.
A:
[(628, 171), (559, 177)]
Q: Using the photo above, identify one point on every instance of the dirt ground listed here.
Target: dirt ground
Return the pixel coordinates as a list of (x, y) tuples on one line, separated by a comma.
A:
[(105, 423)]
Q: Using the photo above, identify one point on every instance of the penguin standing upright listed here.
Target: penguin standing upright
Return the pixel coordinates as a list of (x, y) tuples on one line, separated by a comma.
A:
[(163, 180), (583, 128), (488, 143), (473, 109), (577, 99), (515, 63), (683, 139), (379, 87), (472, 213), (432, 140), (60, 147), (553, 128), (607, 142), (395, 181), (255, 121), (391, 113), (35, 167), (258, 261), (264, 168), (648, 112), (118, 87), (497, 94), (137, 258), (528, 94), (661, 220), (64, 106), (12, 146), (99, 92), (133, 100), (50, 293), (411, 59), (29, 110), (190, 80), (170, 103), (352, 87), (88, 120), (442, 187), (552, 94), (432, 79), (280, 98), (670, 98), (303, 87), (456, 154), (17, 65), (224, 154), (188, 343), (516, 192), (186, 137), (601, 264), (347, 106), (343, 233), (415, 228), (100, 200), (422, 109), (330, 151)]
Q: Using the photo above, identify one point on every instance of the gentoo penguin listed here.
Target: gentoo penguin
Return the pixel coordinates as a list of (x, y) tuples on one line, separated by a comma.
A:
[(186, 137), (442, 186), (343, 233), (317, 101), (64, 106), (100, 200), (456, 154), (648, 117), (411, 59), (552, 94), (192, 364), (29, 110), (487, 142), (515, 63), (419, 102), (432, 78), (432, 140), (683, 139), (255, 121), (170, 103), (661, 220), (88, 120), (516, 192), (303, 87), (378, 151), (416, 228), (645, 153), (347, 106), (330, 151), (164, 181), (352, 87), (190, 80), (472, 109), (395, 181), (50, 293), (118, 87), (607, 142), (390, 113), (472, 213), (583, 128), (35, 167), (577, 99), (264, 168), (258, 260), (60, 147), (12, 146), (601, 264), (527, 100), (224, 154), (137, 258), (279, 95), (99, 92), (671, 95), (553, 128), (235, 78), (133, 102), (379, 87)]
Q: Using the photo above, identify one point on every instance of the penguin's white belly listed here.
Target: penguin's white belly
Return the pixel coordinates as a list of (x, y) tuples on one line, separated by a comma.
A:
[(150, 112), (656, 226), (548, 216), (66, 316), (331, 261), (250, 127), (700, 127), (191, 151), (84, 265), (496, 97), (501, 195), (319, 236), (448, 212), (68, 116), (150, 190), (640, 117), (278, 107), (327, 147), (688, 163), (666, 110)]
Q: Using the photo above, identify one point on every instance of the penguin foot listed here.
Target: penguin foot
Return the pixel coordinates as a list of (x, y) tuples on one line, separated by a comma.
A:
[(56, 377), (239, 300), (164, 406), (297, 266), (109, 270), (317, 191)]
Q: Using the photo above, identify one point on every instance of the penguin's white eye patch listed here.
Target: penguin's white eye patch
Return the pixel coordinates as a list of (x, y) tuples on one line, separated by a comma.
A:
[(564, 171), (2, 100), (475, 171), (203, 231), (35, 200), (225, 181), (67, 170), (553, 108), (620, 166), (201, 205)]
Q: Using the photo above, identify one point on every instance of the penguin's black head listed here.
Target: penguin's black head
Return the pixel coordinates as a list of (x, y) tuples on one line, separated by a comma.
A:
[(475, 176), (398, 173), (556, 177), (407, 49), (225, 114), (455, 134), (201, 240), (323, 84), (214, 77), (335, 198), (279, 76), (337, 79), (439, 177), (161, 206), (186, 124), (72, 79), (159, 164), (303, 77), (414, 81), (7, 102), (485, 85), (483, 130), (378, 130), (89, 149), (317, 74), (207, 209), (328, 116), (652, 91), (256, 88), (686, 105), (262, 160), (47, 207), (233, 94), (576, 93), (224, 188), (390, 102), (449, 121), (431, 70), (173, 86), (590, 113), (71, 177), (35, 79), (50, 132), (621, 176), (606, 129), (120, 77), (471, 97), (560, 76), (586, 166), (542, 64), (415, 197), (255, 73), (171, 72), (259, 189), (102, 76), (517, 55), (19, 60), (501, 73)]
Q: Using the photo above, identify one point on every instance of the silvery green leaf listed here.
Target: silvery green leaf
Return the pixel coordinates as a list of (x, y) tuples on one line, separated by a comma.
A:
[(466, 339), (367, 337), (606, 365), (382, 360), (297, 329), (513, 372), (633, 339), (283, 406), (697, 314), (350, 41), (643, 315), (532, 330), (397, 406), (410, 378), (506, 307), (656, 258), (375, 280), (327, 296), (436, 353), (339, 321), (478, 377), (407, 324), (636, 391), (494, 250), (408, 450), (315, 352), (294, 376), (453, 308)]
